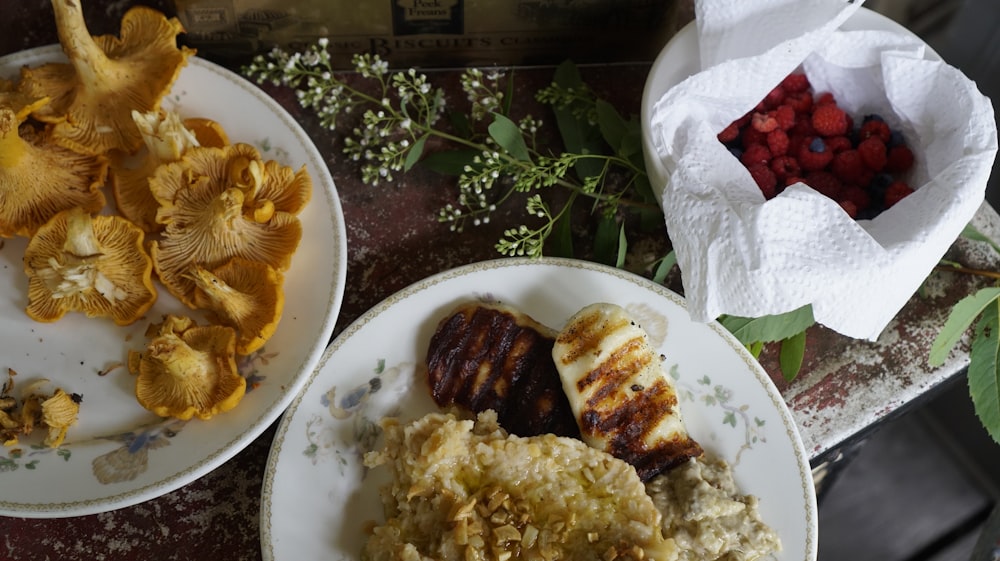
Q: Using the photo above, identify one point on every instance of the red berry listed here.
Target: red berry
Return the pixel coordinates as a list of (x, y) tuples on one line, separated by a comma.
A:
[(800, 102), (777, 142), (755, 154), (750, 136), (873, 153), (785, 116), (856, 195), (848, 166), (877, 128), (830, 120), (763, 122), (849, 207), (838, 143), (729, 134), (795, 83), (775, 97), (793, 179), (825, 183), (814, 155), (825, 98), (785, 167), (899, 159), (895, 192), (765, 179)]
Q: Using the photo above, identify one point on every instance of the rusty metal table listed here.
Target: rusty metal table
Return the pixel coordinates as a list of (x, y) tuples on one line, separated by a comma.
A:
[(394, 239)]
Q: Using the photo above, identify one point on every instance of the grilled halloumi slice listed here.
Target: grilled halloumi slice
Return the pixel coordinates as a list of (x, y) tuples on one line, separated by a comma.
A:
[(492, 356), (624, 401)]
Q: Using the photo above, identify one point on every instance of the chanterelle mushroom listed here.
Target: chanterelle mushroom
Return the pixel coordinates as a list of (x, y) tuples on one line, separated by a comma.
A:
[(244, 295), (38, 178), (188, 370), (166, 139), (107, 78), (218, 204), (96, 265)]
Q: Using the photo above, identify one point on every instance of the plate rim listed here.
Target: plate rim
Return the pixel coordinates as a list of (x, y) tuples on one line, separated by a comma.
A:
[(763, 379), (268, 415)]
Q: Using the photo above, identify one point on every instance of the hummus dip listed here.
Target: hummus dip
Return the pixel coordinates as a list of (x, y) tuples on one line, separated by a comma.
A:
[(707, 517)]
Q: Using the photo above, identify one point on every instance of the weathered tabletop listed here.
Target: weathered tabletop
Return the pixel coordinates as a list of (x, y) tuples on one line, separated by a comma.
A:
[(394, 239)]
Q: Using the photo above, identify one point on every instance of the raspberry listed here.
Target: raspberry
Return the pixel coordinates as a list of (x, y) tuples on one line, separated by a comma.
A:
[(775, 97), (825, 183), (729, 134), (763, 122), (849, 207), (765, 179), (830, 120), (800, 102), (873, 153), (814, 155), (848, 166), (803, 125), (795, 83), (793, 179), (856, 195), (899, 159), (777, 142), (755, 154), (825, 98), (838, 143), (785, 116), (785, 167), (873, 125), (750, 136), (895, 192)]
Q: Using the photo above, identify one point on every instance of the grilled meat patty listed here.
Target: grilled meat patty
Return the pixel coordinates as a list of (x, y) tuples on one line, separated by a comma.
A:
[(492, 356)]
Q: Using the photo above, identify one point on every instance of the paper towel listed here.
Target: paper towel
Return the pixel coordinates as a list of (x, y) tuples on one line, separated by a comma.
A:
[(741, 255)]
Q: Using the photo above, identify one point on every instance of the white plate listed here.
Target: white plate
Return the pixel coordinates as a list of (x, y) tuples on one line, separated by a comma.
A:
[(679, 59), (317, 498), (119, 454)]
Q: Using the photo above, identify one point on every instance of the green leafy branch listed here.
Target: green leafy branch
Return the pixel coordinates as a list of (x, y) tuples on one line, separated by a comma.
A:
[(493, 156)]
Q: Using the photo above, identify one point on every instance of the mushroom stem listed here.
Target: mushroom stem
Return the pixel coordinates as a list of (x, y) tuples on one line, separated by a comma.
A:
[(12, 146), (81, 241), (86, 56), (188, 370)]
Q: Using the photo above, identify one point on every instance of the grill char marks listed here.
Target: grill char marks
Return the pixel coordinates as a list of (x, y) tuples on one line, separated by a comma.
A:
[(491, 356), (626, 403)]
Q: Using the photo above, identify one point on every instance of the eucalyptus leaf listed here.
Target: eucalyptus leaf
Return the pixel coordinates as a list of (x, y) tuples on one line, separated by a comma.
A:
[(962, 315), (793, 350), (507, 134), (578, 135), (560, 241), (460, 122), (984, 374), (450, 162), (414, 153), (769, 328)]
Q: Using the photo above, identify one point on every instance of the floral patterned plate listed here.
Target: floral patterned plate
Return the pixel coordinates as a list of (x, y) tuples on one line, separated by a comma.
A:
[(118, 453), (318, 498)]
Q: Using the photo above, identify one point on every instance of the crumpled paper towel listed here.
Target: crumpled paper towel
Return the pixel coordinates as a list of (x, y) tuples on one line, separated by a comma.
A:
[(740, 255)]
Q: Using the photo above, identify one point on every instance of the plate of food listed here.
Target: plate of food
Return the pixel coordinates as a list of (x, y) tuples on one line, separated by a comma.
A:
[(397, 429), (114, 451)]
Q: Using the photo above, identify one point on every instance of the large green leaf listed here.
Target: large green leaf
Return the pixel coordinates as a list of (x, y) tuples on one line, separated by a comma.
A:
[(984, 376), (560, 241), (793, 350), (972, 233), (507, 134), (578, 135), (769, 328), (667, 263), (606, 241), (962, 315), (613, 128), (414, 153)]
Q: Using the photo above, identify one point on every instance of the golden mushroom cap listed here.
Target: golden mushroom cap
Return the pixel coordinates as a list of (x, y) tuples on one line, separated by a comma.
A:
[(107, 78), (189, 370), (165, 140), (212, 206), (59, 413), (95, 265), (244, 295), (38, 178)]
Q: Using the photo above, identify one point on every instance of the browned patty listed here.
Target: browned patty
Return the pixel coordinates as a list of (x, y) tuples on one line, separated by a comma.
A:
[(491, 356)]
